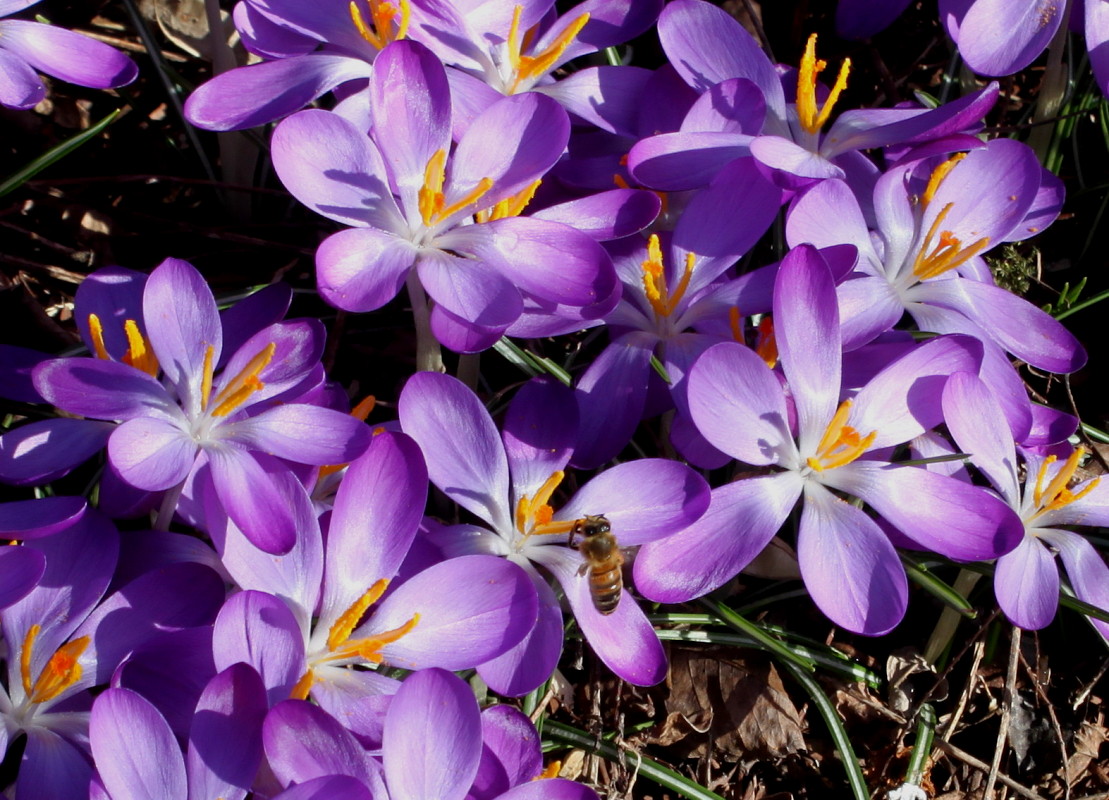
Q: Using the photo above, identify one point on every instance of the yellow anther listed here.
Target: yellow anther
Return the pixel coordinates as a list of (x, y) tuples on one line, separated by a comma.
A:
[(341, 629), (60, 672), (1056, 495), (654, 279), (359, 412), (303, 686), (551, 771), (139, 355), (938, 176), (206, 378), (735, 323), (530, 68), (534, 514), (96, 333), (811, 117), (510, 206), (369, 648), (841, 443), (766, 345), (948, 253), (431, 199), (381, 30), (243, 385)]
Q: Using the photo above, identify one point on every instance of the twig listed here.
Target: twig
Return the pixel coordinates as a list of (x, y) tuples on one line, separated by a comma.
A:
[(1006, 711), (1055, 726), (982, 766)]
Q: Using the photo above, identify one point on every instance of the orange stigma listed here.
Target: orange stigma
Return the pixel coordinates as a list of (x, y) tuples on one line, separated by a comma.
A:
[(388, 22), (60, 672), (948, 253), (1056, 495), (654, 279), (811, 116), (841, 444), (531, 68), (433, 207)]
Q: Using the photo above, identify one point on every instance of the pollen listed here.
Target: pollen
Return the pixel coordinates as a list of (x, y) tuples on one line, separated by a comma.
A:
[(662, 300), (388, 22), (531, 68), (811, 116), (432, 202), (60, 672), (841, 443), (1056, 494)]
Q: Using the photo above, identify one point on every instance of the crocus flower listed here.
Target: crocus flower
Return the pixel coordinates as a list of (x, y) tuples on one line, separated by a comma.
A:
[(192, 416), (136, 754), (847, 562), (413, 205), (64, 637), (1026, 580), (708, 47), (27, 46), (509, 483), (311, 614), (926, 258)]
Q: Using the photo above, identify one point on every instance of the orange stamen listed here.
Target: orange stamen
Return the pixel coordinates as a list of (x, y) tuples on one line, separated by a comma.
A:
[(96, 333), (811, 117), (948, 253), (1057, 495), (243, 385), (938, 176), (206, 378), (841, 443), (139, 355), (510, 206), (431, 199), (765, 344), (60, 672), (532, 67), (654, 279), (381, 30), (342, 627)]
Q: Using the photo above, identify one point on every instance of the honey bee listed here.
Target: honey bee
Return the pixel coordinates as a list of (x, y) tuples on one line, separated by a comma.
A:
[(603, 560)]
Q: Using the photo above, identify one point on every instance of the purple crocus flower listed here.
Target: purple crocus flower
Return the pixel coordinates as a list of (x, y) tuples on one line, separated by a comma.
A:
[(309, 615), (192, 416), (433, 748), (932, 229), (62, 639), (509, 483), (137, 756), (1026, 581), (21, 568), (27, 46), (847, 562), (413, 203), (708, 47)]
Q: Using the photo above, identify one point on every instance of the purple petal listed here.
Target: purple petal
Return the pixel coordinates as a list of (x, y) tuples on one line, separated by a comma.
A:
[(253, 313), (1026, 582), (806, 327), (780, 153), (20, 571), (611, 396), (170, 669), (609, 97), (849, 566), (152, 454), (606, 215), (1012, 322), (514, 142), (20, 85), (624, 639), (685, 160), (472, 290), (540, 430), (53, 767), (251, 96), (102, 389), (1000, 37), (1045, 208), (259, 629), (377, 511), (114, 295), (463, 336), (225, 743), (327, 787), (67, 55), (610, 23), (471, 609), (978, 426), (135, 752), (43, 516), (412, 112), (1086, 569), (741, 519), (303, 742), (944, 514), (432, 712), (738, 405), (512, 738), (251, 500), (334, 169), (1097, 41), (550, 789), (526, 665), (644, 499), (298, 346), (468, 461), (42, 451), (362, 269), (302, 433)]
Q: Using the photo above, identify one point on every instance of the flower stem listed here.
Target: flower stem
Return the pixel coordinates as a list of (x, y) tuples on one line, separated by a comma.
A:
[(168, 507), (429, 355)]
